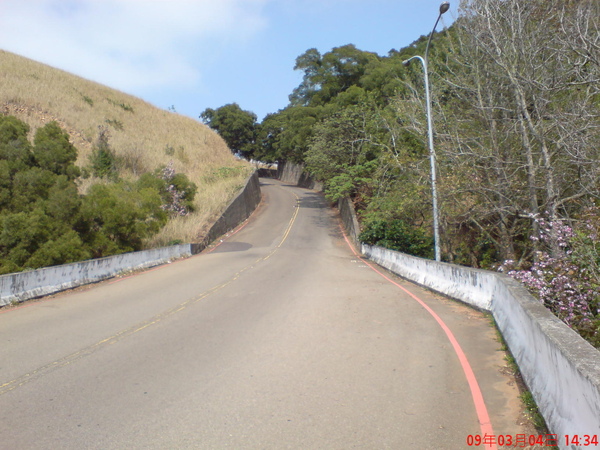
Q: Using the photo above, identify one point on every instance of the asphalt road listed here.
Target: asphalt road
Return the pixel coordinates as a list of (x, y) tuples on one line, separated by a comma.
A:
[(281, 337)]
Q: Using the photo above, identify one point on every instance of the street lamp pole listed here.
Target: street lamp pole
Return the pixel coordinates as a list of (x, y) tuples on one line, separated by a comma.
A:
[(436, 219)]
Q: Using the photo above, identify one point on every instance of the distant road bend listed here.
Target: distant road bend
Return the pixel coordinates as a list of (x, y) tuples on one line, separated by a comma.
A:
[(281, 337)]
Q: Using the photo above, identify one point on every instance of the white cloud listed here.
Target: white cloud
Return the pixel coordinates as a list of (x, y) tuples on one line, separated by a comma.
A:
[(128, 44)]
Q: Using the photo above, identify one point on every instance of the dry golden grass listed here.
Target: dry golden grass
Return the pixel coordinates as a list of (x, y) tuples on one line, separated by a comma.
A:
[(143, 137)]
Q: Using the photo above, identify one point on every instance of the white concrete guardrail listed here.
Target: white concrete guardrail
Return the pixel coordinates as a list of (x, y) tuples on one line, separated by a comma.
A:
[(560, 368), (18, 287)]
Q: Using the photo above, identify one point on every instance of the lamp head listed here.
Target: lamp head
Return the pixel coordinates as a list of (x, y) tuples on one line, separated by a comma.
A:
[(445, 6), (406, 62)]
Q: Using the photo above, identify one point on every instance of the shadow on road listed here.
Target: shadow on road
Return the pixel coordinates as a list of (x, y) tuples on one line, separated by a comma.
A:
[(228, 247)]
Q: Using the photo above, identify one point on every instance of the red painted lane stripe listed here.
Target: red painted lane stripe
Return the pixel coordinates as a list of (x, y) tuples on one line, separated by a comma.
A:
[(7, 308), (482, 413)]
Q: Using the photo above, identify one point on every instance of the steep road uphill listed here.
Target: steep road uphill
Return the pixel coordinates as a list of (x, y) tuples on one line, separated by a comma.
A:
[(280, 337)]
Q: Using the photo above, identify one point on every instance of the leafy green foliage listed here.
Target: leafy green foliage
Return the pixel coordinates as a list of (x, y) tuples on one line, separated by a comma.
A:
[(515, 107), (52, 151), (285, 135), (343, 125), (329, 75), (15, 149), (103, 160), (398, 235), (237, 127), (117, 217), (185, 190), (43, 219), (66, 248), (176, 190), (343, 152)]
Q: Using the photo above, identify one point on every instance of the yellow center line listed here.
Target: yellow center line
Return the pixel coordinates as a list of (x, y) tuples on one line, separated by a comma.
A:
[(287, 231), (69, 359), (289, 228)]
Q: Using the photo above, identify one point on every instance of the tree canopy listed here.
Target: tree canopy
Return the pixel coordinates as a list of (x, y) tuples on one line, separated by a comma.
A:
[(515, 111), (237, 127)]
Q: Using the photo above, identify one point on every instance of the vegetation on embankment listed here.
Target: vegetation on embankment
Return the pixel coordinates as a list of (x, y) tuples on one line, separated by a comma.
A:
[(144, 138), (516, 112)]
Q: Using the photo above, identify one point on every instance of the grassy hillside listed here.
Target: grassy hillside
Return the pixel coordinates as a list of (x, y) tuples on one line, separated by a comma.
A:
[(142, 136)]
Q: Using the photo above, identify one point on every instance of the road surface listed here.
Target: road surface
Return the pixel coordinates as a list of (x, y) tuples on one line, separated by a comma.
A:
[(281, 337)]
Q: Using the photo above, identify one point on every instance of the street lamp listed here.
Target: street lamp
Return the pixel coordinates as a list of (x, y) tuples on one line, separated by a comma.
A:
[(436, 219)]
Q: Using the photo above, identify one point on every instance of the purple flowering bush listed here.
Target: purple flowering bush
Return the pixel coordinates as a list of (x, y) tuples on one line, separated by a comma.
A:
[(178, 193), (564, 275)]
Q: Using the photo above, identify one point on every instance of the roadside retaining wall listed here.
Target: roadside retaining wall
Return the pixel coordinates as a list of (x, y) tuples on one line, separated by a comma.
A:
[(349, 220), (560, 368), (293, 173), (238, 210), (23, 286)]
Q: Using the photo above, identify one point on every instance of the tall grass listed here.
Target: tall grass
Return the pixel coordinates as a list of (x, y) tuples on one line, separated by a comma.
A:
[(142, 136)]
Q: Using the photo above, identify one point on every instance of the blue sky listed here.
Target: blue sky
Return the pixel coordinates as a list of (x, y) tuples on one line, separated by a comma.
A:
[(198, 54)]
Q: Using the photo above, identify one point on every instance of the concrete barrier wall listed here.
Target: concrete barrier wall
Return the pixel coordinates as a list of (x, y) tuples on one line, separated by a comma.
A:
[(295, 174), (238, 210), (561, 369), (349, 220), (472, 286), (22, 286)]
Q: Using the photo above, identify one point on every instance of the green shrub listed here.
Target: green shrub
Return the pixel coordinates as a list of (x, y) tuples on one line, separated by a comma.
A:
[(398, 235), (53, 151), (186, 190), (63, 249), (176, 189), (43, 219), (122, 214), (103, 159), (15, 149)]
